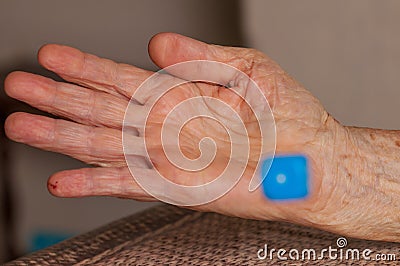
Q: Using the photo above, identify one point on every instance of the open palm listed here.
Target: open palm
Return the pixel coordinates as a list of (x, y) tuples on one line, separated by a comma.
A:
[(99, 91)]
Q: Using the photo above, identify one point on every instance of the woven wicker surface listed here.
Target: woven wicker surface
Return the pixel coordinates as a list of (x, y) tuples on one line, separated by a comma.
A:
[(166, 235)]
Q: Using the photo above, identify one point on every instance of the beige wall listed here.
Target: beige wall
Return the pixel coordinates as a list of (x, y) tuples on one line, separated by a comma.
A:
[(346, 52)]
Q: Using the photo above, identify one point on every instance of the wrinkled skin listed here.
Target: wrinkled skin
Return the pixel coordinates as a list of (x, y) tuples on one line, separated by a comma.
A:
[(94, 102)]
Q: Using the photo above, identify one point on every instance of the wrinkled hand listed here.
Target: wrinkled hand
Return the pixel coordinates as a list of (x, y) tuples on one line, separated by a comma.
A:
[(94, 100)]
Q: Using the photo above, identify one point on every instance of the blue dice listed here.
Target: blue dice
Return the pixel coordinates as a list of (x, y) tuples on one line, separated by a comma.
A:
[(287, 178)]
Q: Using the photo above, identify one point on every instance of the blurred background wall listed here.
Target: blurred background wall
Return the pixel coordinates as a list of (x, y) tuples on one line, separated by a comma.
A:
[(346, 52)]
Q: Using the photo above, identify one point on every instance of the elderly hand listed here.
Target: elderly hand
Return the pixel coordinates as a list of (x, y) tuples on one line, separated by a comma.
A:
[(93, 104)]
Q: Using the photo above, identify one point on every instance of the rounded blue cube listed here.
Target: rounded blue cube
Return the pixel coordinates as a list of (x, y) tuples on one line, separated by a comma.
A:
[(287, 178)]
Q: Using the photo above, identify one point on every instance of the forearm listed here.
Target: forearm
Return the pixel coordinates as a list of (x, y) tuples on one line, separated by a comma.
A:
[(379, 155), (368, 174)]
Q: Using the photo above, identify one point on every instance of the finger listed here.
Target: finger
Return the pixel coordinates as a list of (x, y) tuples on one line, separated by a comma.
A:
[(84, 182), (71, 101), (167, 49), (92, 71), (94, 145)]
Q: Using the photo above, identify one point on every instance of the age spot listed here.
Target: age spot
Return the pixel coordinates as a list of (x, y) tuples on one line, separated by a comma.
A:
[(373, 137)]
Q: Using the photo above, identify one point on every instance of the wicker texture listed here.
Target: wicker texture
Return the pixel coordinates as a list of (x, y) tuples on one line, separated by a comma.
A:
[(166, 235)]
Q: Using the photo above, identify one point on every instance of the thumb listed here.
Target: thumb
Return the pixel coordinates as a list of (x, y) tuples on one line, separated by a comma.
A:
[(166, 49)]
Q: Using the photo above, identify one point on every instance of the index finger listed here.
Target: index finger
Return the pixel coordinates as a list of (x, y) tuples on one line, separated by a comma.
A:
[(92, 71)]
